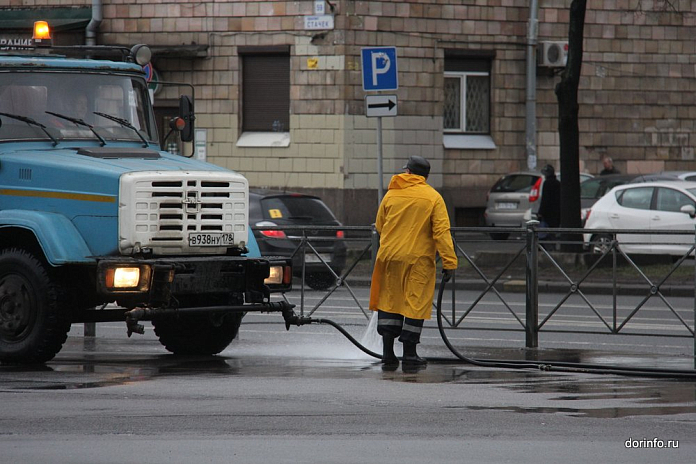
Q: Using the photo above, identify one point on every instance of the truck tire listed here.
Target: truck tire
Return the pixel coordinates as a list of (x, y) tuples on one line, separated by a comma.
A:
[(197, 335), (32, 326)]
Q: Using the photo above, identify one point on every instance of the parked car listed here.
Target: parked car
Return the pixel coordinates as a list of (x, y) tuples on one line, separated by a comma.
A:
[(595, 188), (683, 175), (513, 200), (664, 205), (268, 208)]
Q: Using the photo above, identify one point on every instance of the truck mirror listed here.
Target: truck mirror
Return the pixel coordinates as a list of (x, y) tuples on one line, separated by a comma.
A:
[(186, 113)]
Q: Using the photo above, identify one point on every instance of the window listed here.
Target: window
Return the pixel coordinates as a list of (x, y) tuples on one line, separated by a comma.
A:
[(638, 198), (672, 200), (76, 95), (597, 187), (515, 183), (467, 107), (296, 208), (265, 89)]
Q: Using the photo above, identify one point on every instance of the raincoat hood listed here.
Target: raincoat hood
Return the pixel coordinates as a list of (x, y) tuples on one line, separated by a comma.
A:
[(404, 180)]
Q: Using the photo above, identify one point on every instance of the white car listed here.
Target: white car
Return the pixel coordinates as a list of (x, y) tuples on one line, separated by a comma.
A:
[(683, 175), (664, 205)]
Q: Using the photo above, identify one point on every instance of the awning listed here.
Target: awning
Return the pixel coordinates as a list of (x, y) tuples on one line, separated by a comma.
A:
[(60, 19), (179, 51)]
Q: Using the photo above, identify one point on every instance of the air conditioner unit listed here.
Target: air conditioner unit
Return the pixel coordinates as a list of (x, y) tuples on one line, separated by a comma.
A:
[(553, 54)]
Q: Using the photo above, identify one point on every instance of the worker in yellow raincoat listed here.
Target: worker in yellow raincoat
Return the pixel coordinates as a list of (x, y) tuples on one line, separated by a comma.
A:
[(413, 224)]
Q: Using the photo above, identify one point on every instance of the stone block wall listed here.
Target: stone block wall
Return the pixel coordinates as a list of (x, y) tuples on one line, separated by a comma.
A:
[(637, 92)]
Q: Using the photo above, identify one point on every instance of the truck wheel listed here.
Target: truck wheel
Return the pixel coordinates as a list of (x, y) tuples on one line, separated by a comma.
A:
[(320, 280), (32, 328), (197, 335)]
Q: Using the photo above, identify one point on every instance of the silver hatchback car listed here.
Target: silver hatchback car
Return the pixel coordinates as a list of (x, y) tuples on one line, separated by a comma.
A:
[(513, 200)]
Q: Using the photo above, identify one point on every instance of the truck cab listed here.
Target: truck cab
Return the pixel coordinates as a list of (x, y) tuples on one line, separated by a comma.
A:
[(99, 224)]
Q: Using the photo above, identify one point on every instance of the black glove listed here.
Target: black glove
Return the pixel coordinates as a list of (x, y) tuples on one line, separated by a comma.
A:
[(447, 274)]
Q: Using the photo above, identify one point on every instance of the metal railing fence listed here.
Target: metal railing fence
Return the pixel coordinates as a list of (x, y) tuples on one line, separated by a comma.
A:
[(534, 258)]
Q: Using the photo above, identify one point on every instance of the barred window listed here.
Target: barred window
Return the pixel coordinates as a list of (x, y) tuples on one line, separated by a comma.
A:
[(467, 96)]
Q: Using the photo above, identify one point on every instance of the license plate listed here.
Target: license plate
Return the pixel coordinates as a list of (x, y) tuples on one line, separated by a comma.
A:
[(312, 258), (507, 205), (212, 240)]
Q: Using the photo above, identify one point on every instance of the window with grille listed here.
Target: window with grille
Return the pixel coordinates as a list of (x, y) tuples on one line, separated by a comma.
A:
[(265, 89), (467, 96)]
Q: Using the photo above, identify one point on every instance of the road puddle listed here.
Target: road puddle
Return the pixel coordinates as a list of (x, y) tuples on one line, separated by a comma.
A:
[(106, 363)]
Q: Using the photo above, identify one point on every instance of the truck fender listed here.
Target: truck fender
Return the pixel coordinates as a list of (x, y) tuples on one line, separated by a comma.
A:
[(60, 241), (252, 246)]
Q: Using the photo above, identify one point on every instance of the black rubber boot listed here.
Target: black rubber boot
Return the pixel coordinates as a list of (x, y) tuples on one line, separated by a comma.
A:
[(388, 356), (411, 357)]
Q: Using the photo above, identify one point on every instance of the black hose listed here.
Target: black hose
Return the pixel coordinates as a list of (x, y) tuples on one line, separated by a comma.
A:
[(558, 366)]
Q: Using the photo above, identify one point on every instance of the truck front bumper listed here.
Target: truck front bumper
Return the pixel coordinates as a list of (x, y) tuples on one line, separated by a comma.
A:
[(163, 282)]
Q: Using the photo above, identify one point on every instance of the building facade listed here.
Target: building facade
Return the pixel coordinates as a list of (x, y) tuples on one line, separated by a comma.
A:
[(280, 98)]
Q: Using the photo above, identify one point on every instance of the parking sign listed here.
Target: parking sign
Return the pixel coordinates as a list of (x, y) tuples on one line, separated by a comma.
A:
[(379, 68)]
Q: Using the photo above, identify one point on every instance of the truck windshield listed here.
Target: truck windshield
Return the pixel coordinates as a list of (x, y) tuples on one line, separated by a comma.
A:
[(78, 96)]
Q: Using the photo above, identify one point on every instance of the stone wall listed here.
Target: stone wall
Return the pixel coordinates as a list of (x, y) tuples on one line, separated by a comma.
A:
[(637, 92)]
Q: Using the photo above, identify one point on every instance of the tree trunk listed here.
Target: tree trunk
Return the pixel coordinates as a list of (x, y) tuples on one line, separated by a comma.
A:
[(569, 133)]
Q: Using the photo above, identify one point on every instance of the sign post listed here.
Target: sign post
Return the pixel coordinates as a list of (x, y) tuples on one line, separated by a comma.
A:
[(379, 73)]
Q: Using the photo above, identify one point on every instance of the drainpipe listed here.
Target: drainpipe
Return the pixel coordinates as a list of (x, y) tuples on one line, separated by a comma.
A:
[(530, 129), (94, 23)]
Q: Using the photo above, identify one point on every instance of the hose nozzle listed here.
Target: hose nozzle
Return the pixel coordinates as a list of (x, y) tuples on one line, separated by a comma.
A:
[(293, 319)]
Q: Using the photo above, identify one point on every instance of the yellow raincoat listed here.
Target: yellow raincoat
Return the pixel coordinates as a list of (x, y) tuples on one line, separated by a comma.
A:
[(412, 222)]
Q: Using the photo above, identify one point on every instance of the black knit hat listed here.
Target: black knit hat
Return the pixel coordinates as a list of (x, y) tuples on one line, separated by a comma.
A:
[(418, 165)]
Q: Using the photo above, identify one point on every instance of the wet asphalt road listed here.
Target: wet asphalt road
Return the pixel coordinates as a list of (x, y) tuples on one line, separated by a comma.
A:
[(309, 396)]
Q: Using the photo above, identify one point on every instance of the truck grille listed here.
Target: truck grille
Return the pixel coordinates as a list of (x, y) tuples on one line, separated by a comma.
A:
[(160, 210)]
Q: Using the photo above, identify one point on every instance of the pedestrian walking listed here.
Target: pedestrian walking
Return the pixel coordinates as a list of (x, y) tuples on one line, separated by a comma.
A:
[(549, 213), (413, 225)]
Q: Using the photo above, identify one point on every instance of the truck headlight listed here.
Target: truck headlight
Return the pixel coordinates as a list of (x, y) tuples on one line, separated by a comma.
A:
[(123, 277), (275, 276), (127, 278)]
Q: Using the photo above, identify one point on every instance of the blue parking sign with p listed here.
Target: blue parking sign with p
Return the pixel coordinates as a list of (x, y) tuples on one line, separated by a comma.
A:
[(379, 68)]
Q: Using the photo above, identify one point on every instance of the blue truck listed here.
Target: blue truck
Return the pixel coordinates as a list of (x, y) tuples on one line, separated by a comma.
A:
[(99, 224)]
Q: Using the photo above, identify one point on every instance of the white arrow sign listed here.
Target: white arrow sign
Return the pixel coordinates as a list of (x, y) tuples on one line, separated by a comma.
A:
[(380, 105)]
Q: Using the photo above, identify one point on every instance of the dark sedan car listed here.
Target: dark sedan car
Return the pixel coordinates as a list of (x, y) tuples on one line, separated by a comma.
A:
[(268, 208)]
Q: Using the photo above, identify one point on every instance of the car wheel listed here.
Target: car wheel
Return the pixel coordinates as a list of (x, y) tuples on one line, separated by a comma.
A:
[(600, 243), (499, 235), (320, 280)]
